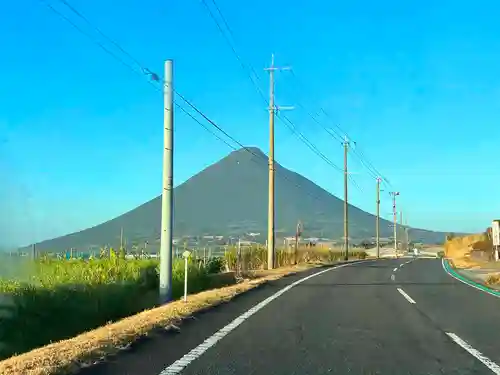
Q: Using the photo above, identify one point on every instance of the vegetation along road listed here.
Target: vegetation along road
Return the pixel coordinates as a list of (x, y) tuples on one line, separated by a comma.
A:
[(394, 316)]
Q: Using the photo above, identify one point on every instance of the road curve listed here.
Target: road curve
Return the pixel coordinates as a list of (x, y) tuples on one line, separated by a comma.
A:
[(396, 317)]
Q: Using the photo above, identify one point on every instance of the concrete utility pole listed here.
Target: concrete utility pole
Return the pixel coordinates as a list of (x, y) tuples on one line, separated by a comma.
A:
[(167, 200), (121, 238), (346, 206), (394, 195), (270, 214), (377, 222)]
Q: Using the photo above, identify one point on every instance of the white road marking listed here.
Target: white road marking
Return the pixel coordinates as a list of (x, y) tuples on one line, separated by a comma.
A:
[(475, 353), (408, 298), (395, 269), (180, 364), (393, 277)]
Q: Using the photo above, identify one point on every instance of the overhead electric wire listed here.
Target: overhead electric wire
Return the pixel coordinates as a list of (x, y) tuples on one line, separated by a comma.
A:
[(230, 44), (309, 144), (83, 32), (285, 120), (146, 72), (336, 135), (98, 30)]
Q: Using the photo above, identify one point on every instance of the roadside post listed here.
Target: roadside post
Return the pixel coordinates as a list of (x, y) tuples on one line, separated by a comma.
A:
[(495, 234), (186, 254)]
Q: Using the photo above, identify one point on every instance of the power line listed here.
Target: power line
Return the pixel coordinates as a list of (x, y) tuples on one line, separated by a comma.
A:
[(336, 135), (259, 157), (233, 49), (308, 143), (98, 30), (285, 120), (154, 76)]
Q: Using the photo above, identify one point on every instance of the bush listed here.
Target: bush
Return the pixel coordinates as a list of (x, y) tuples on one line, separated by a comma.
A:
[(215, 265), (440, 254)]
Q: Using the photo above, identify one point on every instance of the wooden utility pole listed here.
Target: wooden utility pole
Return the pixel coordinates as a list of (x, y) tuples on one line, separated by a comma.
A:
[(377, 222), (346, 206), (271, 250), (298, 233), (395, 217)]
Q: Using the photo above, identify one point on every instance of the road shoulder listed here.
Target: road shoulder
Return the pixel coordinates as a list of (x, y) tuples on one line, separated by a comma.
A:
[(468, 278)]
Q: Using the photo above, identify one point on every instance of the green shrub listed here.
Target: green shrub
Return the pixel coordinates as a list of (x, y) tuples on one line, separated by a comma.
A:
[(215, 265)]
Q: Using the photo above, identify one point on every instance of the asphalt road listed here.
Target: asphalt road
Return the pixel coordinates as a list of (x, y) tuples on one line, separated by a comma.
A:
[(378, 317)]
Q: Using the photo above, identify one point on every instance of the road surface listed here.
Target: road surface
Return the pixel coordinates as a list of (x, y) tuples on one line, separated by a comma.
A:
[(399, 316)]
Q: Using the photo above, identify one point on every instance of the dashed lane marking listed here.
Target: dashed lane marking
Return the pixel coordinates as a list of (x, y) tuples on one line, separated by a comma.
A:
[(408, 298), (180, 364)]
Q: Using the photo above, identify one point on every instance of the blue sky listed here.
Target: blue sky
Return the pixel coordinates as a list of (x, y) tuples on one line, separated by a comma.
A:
[(415, 84)]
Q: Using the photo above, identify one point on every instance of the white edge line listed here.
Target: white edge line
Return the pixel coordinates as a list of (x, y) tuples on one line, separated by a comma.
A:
[(475, 353), (408, 298), (180, 364), (466, 283)]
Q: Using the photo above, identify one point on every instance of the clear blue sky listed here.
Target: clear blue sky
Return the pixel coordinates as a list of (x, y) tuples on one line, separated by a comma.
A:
[(415, 84)]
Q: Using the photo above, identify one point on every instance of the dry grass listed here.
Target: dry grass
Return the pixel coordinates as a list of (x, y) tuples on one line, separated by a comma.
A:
[(458, 249), (65, 357), (493, 279)]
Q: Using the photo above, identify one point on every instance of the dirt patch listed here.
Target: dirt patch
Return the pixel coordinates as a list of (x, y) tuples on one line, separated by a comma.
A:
[(67, 356)]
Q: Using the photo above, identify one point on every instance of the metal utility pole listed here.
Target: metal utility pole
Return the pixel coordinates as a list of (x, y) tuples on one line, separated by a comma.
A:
[(395, 215), (168, 188), (377, 222), (270, 214), (346, 206)]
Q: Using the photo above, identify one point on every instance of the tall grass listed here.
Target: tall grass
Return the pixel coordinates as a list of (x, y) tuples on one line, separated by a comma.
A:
[(255, 257), (66, 297)]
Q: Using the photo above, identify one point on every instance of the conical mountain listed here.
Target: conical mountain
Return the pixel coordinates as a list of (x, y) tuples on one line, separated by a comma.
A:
[(230, 198)]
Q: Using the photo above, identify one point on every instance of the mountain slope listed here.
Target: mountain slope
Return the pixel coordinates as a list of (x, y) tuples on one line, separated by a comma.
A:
[(230, 198)]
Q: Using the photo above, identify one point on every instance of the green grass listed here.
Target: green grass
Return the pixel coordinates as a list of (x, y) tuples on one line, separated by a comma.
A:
[(66, 297)]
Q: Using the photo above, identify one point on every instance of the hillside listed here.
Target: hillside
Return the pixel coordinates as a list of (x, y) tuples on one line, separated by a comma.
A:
[(230, 198)]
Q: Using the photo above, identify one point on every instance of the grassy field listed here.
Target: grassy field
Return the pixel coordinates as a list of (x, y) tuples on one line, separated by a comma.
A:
[(58, 299), (55, 299)]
